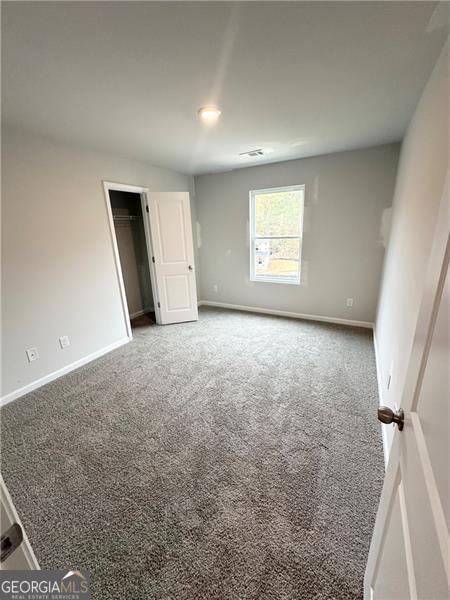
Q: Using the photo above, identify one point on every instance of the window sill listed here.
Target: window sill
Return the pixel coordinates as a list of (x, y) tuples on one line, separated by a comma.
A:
[(275, 280)]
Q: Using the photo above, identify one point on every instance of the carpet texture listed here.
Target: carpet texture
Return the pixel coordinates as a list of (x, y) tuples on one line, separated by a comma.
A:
[(238, 457)]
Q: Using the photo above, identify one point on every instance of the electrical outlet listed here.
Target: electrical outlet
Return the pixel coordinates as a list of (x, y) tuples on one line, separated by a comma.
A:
[(32, 354), (349, 301), (216, 288), (64, 341)]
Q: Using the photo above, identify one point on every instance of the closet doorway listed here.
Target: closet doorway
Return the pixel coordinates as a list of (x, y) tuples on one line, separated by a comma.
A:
[(133, 249), (166, 218)]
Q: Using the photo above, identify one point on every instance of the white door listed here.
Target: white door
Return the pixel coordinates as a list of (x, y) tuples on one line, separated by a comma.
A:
[(173, 252), (12, 533), (408, 557)]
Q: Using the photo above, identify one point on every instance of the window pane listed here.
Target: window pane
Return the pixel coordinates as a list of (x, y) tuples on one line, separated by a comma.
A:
[(278, 214), (279, 258)]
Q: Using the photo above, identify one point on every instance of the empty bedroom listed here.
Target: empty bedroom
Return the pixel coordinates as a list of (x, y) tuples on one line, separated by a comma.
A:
[(224, 300)]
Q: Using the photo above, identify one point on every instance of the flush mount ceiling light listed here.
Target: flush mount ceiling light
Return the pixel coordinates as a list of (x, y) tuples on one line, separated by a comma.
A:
[(209, 114)]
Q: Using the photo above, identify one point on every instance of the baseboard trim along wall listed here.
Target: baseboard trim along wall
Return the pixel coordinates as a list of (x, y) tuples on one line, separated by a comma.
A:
[(26, 389), (284, 313), (384, 433)]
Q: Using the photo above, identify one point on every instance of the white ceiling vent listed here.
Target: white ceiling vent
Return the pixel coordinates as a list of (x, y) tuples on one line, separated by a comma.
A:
[(258, 152)]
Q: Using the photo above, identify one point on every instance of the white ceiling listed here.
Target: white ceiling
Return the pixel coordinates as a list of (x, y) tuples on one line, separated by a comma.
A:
[(300, 78)]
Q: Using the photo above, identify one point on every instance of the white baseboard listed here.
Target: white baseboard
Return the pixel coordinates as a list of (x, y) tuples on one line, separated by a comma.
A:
[(384, 434), (139, 313), (60, 372), (283, 313)]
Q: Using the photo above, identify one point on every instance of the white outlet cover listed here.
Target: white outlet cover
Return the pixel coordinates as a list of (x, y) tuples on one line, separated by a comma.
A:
[(32, 354), (64, 341), (349, 301)]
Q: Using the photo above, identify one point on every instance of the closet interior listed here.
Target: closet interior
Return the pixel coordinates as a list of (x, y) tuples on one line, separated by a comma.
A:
[(131, 241)]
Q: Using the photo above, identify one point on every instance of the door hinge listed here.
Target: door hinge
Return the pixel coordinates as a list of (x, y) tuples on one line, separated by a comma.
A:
[(159, 304), (146, 208), (153, 259)]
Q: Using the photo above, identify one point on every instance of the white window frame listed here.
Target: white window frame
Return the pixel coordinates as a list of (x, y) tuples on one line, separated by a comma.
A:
[(252, 197)]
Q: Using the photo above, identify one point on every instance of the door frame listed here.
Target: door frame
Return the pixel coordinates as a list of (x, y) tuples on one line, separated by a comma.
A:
[(12, 515), (142, 191)]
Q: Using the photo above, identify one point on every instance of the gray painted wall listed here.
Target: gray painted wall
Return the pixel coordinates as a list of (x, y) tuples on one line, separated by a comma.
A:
[(420, 184), (58, 274), (346, 194)]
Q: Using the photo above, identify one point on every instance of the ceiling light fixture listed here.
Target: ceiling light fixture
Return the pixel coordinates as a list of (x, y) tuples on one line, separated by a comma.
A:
[(209, 114)]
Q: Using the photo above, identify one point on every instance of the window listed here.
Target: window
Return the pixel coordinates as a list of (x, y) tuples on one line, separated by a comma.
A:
[(276, 223)]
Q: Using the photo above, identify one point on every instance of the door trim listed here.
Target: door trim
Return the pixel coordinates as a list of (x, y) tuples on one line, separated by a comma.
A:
[(142, 191), (8, 504)]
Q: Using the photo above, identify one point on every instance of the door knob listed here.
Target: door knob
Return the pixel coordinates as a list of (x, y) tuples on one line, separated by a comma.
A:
[(386, 415), (191, 268)]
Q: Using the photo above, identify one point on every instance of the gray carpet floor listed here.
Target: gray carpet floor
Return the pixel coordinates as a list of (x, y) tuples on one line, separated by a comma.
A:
[(237, 457)]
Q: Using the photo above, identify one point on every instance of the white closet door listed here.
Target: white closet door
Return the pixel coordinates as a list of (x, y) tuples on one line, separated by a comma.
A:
[(173, 252)]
